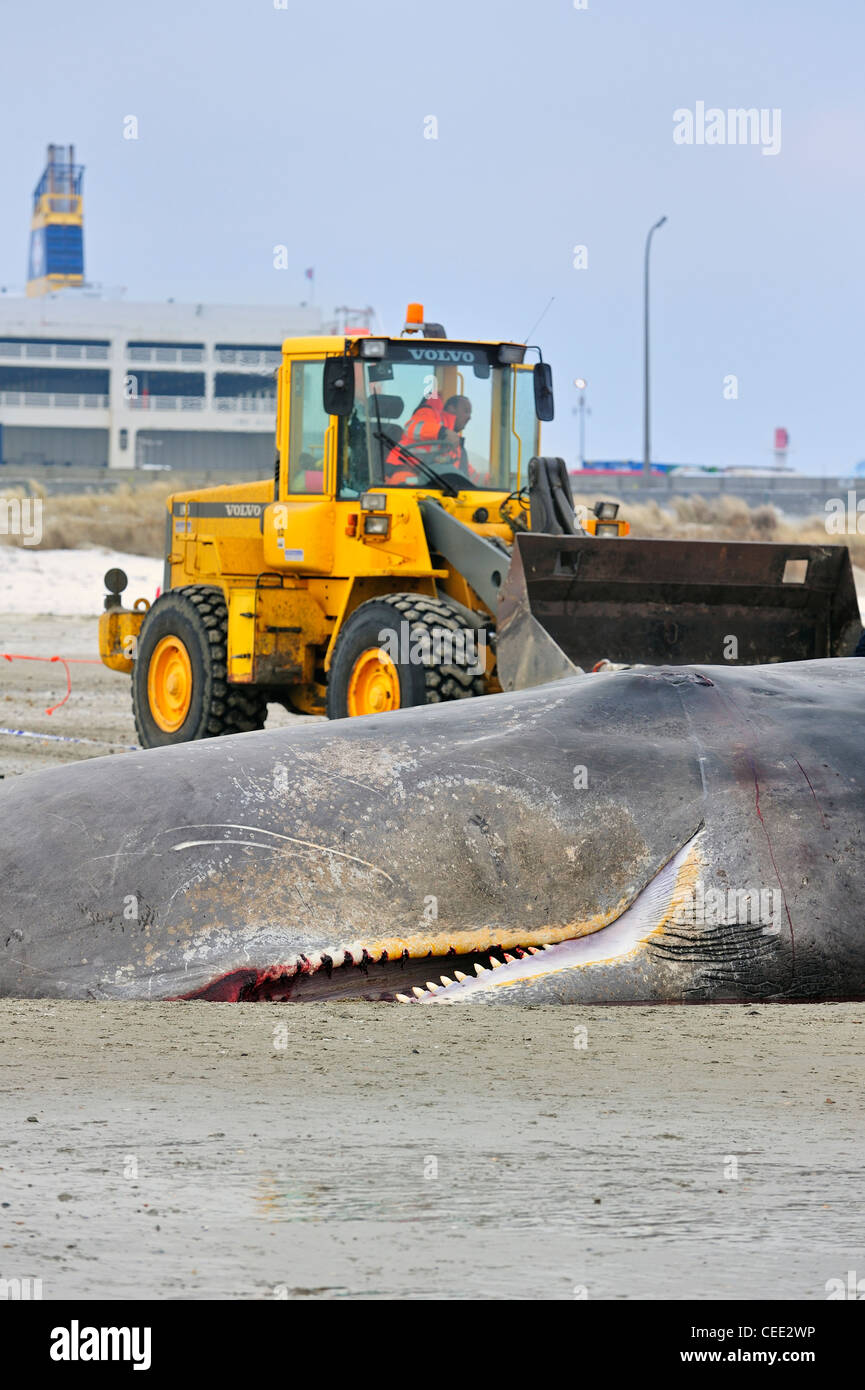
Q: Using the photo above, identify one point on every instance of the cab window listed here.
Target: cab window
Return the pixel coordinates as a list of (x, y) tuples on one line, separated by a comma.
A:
[(521, 430), (307, 429), (424, 425)]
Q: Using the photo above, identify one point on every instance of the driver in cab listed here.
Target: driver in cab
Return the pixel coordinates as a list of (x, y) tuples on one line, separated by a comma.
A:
[(434, 433)]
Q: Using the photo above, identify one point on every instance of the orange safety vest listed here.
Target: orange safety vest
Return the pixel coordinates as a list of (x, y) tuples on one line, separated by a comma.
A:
[(421, 434)]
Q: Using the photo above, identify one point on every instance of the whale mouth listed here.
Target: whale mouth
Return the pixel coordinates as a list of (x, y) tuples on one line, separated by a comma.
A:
[(646, 917), (407, 974)]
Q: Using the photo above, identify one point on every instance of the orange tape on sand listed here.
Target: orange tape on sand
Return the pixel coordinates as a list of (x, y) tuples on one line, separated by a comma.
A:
[(66, 661)]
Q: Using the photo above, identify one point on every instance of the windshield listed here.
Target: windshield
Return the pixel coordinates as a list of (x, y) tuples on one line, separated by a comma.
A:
[(456, 424)]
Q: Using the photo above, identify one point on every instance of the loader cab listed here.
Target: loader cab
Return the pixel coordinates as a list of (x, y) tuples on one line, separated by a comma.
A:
[(430, 415), (458, 421)]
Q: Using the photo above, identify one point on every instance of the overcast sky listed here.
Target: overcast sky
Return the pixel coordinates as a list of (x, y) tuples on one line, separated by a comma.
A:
[(304, 126)]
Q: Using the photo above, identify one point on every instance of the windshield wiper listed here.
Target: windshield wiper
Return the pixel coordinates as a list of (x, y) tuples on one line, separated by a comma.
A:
[(437, 478)]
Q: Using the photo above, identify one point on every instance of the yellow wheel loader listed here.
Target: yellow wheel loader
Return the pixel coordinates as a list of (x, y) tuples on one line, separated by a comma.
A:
[(414, 546)]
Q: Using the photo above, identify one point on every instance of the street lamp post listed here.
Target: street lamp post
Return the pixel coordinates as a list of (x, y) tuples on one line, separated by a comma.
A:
[(647, 445)]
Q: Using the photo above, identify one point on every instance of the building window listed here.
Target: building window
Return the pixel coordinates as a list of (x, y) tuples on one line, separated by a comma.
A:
[(162, 352), (248, 354), (245, 384), (45, 380)]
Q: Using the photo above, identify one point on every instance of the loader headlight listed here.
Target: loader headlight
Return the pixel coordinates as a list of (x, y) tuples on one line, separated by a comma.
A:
[(115, 581), (606, 511), (372, 347), (373, 502), (376, 525), (510, 352), (607, 528)]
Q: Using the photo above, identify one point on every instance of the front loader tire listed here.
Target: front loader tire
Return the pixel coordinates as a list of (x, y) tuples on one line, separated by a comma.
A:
[(180, 687), (363, 679)]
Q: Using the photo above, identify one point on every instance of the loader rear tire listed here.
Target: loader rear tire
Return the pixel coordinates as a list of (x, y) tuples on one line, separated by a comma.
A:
[(180, 687), (365, 679)]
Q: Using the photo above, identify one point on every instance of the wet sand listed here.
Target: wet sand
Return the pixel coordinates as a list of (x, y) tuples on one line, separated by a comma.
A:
[(361, 1151), (98, 712)]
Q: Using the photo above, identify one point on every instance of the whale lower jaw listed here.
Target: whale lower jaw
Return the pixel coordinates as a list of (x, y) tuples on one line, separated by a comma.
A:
[(400, 969)]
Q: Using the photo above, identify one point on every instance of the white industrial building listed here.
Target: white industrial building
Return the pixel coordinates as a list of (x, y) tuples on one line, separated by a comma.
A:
[(97, 382)]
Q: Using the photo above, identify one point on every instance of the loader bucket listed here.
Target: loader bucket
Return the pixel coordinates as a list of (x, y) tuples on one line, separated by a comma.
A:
[(570, 601)]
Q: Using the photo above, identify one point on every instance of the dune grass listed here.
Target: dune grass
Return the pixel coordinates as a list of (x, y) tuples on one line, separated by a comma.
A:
[(132, 520), (726, 518)]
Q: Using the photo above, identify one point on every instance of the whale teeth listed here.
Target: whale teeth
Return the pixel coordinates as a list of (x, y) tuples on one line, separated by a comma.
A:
[(431, 987), (534, 950), (404, 999), (479, 970), (445, 981), (418, 992), (496, 964), (458, 975)]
